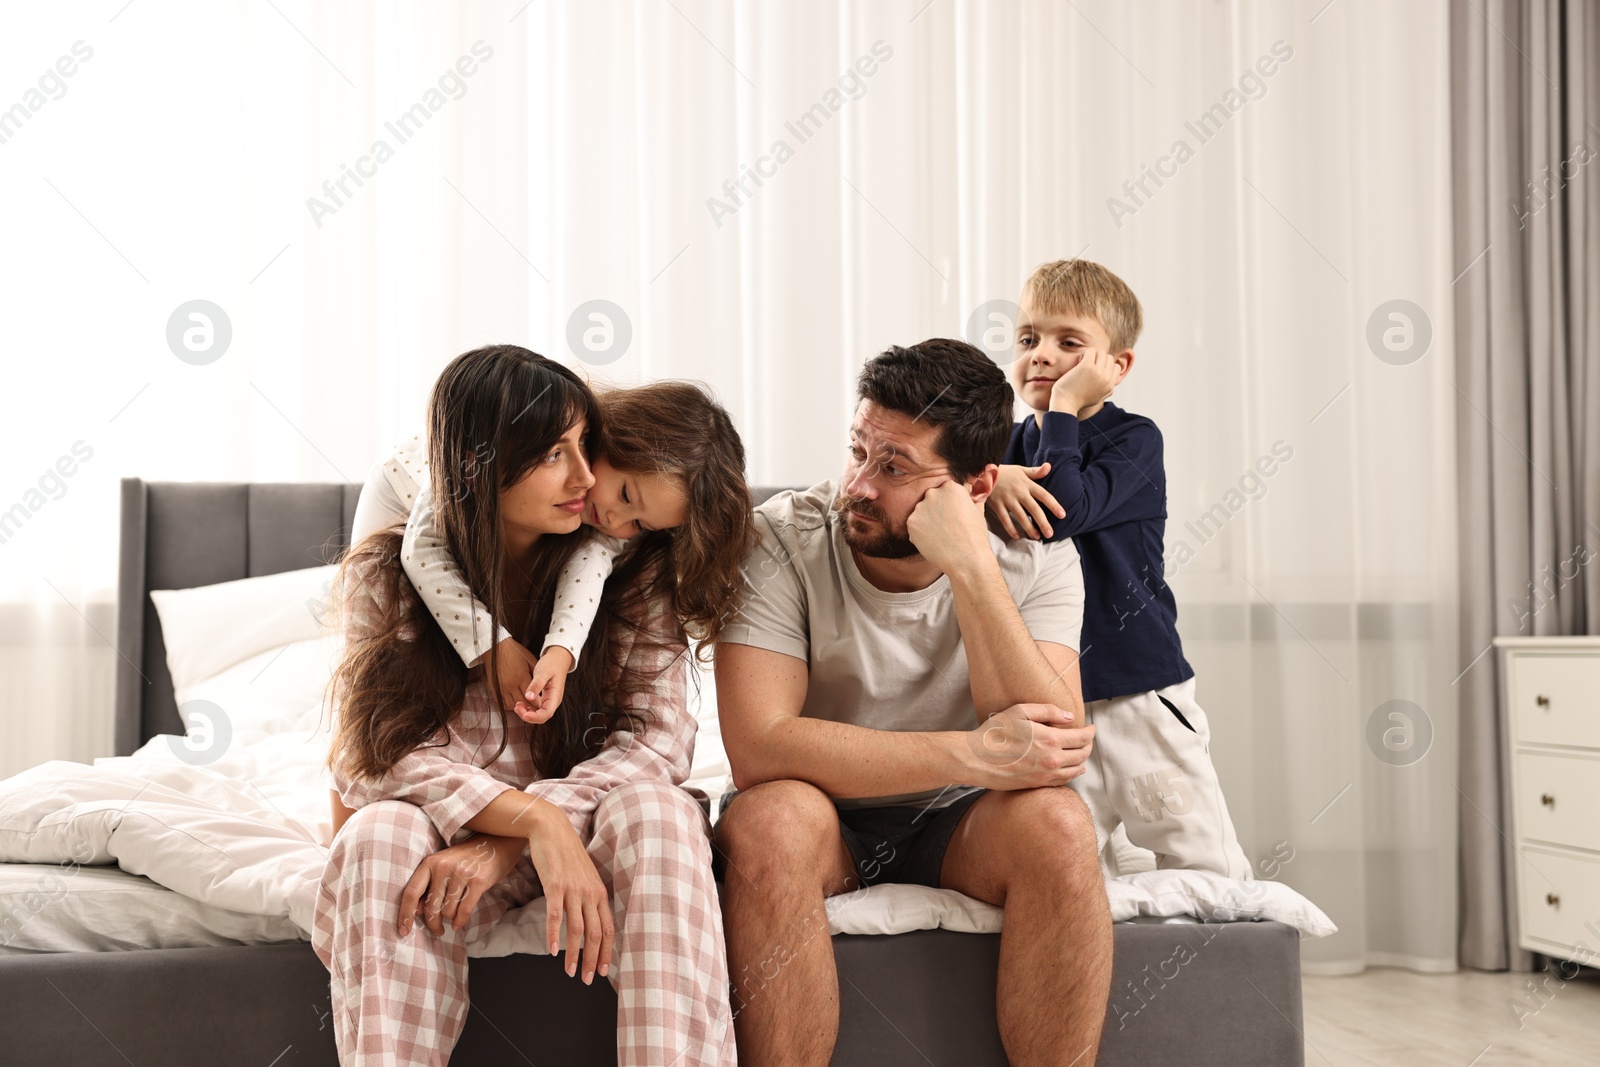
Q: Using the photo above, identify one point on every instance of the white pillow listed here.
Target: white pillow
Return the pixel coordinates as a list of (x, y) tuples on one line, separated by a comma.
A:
[(210, 628), (894, 909), (1217, 898), (273, 690)]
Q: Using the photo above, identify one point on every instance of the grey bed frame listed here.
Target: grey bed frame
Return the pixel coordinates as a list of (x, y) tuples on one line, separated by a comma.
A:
[(1217, 994)]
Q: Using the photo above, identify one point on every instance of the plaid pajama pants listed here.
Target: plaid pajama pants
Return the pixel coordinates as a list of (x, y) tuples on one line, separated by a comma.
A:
[(403, 1000)]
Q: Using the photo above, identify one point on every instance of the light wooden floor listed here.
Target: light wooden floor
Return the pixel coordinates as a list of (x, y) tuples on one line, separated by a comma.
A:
[(1398, 1018)]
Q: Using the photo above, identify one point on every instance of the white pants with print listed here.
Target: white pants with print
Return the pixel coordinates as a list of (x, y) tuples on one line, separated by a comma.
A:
[(1153, 774)]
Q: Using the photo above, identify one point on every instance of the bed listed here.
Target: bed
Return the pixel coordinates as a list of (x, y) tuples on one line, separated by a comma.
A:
[(1187, 992)]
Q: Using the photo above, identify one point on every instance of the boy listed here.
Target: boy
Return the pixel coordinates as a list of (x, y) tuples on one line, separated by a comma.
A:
[(1098, 470)]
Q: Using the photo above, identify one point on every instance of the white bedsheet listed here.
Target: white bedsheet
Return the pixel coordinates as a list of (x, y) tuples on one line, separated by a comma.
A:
[(250, 869), (72, 908), (232, 851)]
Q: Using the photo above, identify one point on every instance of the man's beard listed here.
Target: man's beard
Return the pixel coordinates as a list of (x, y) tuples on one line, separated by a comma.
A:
[(877, 540)]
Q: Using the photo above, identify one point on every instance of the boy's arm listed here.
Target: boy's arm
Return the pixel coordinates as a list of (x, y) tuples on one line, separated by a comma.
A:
[(578, 589), (1122, 484), (433, 570)]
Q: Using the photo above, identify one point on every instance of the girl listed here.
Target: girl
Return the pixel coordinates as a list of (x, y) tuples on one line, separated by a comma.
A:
[(668, 461), (463, 812)]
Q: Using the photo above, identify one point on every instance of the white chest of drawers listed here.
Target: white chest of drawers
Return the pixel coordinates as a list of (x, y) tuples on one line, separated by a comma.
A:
[(1552, 702)]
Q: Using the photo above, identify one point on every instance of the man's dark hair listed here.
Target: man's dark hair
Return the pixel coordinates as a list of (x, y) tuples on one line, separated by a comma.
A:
[(949, 385)]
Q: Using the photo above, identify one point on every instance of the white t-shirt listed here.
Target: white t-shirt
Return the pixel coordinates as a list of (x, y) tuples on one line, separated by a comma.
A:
[(886, 661)]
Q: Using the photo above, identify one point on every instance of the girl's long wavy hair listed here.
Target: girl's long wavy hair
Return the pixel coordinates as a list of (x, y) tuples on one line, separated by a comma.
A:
[(494, 413), (676, 428)]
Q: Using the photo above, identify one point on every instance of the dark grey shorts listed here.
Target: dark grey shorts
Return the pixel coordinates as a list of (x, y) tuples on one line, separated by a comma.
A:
[(902, 844)]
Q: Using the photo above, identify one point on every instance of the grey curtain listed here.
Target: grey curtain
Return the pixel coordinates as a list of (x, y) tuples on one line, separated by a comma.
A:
[(1525, 87)]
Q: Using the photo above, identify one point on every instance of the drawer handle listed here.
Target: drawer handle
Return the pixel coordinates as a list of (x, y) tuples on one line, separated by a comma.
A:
[(1547, 800), (1552, 899), (1542, 700)]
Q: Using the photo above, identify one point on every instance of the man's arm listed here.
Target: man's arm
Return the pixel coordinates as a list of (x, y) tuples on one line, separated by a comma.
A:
[(1005, 664), (759, 697)]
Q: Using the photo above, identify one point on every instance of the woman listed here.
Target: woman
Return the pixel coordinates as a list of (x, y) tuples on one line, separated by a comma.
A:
[(463, 810)]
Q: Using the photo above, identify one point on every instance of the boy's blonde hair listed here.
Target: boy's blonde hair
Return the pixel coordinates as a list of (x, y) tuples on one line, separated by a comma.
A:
[(1079, 287)]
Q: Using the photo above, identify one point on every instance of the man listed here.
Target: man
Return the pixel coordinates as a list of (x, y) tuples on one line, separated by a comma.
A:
[(900, 702)]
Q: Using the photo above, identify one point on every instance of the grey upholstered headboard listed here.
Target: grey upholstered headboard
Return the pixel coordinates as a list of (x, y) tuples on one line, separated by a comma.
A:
[(181, 534), (176, 535)]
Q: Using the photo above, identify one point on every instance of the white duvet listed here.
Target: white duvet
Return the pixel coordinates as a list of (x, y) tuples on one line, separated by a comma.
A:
[(245, 832)]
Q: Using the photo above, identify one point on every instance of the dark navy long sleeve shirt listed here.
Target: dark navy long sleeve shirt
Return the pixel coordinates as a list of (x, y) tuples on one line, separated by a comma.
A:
[(1108, 475)]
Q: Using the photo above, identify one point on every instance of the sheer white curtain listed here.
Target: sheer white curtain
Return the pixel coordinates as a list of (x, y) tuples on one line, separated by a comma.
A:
[(763, 196), (175, 163), (1311, 517)]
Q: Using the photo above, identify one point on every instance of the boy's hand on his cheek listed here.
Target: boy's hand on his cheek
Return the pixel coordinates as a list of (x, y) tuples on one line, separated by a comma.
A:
[(1086, 384), (1020, 503), (947, 525)]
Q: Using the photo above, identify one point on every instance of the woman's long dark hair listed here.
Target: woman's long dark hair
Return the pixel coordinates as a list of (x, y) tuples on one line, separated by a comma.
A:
[(493, 414)]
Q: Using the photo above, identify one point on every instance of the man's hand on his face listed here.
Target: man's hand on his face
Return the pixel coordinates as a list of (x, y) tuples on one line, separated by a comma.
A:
[(947, 526)]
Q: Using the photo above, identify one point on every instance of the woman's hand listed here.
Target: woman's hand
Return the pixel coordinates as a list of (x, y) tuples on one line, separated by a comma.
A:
[(1019, 501), (453, 879), (572, 887), (548, 686), (514, 669)]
